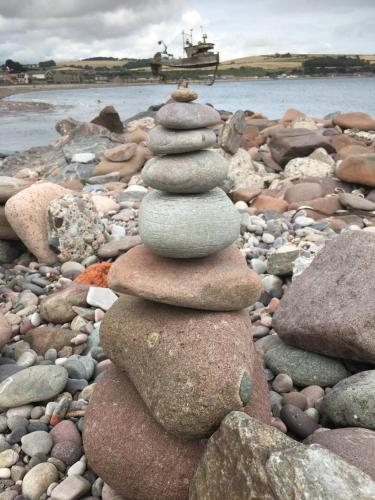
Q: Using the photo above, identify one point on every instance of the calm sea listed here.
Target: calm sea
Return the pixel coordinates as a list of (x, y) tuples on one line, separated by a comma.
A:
[(316, 97)]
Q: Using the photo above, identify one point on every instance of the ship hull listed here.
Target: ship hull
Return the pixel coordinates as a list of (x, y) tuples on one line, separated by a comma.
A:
[(192, 62)]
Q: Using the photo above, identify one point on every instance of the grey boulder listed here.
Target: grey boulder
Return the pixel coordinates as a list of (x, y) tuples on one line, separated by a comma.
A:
[(163, 141), (247, 460), (352, 401), (186, 173), (187, 226), (317, 473), (187, 115)]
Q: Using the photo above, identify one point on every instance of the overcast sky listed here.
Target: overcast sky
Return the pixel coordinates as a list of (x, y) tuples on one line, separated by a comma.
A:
[(35, 30)]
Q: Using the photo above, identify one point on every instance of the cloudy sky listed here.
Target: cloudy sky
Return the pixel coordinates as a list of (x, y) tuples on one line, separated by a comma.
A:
[(35, 30)]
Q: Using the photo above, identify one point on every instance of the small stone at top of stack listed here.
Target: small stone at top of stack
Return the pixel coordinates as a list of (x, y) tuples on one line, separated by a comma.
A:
[(189, 216)]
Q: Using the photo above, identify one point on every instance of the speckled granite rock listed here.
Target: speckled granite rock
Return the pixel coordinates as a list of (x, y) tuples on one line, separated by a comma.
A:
[(188, 226), (75, 230), (315, 472), (233, 465), (245, 459)]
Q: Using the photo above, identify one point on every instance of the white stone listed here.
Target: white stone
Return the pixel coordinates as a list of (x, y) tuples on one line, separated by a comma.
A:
[(35, 319), (77, 469), (135, 188), (101, 297), (8, 458), (308, 167), (241, 205), (4, 473), (304, 221), (83, 157), (117, 232)]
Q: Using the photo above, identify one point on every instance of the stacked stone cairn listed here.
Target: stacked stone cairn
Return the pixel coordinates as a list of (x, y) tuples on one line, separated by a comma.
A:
[(179, 337)]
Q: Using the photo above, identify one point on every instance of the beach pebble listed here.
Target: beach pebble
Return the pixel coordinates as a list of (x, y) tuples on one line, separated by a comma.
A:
[(8, 458), (33, 384), (282, 383), (36, 443), (297, 421), (71, 269), (101, 297), (296, 399), (71, 488), (68, 452), (38, 479)]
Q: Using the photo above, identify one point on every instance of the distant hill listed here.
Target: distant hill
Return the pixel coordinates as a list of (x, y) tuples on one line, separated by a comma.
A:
[(279, 61)]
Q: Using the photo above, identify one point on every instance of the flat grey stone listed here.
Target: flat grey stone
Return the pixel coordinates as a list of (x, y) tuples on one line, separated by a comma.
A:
[(187, 226), (351, 200), (186, 173), (37, 383), (304, 367), (187, 115), (352, 401), (162, 141)]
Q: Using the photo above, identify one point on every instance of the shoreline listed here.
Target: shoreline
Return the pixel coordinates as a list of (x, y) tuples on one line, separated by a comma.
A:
[(10, 90)]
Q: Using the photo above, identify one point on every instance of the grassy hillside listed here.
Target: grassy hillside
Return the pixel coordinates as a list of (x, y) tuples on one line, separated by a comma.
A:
[(272, 62), (266, 62), (94, 64)]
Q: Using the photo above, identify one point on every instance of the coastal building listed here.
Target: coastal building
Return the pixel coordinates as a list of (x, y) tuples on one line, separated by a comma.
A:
[(67, 75), (38, 78)]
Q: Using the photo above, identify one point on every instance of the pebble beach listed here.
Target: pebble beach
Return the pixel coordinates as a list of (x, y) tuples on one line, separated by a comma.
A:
[(186, 307)]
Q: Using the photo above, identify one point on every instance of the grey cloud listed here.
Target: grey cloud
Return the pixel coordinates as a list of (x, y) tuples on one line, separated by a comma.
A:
[(33, 30), (42, 9), (88, 27)]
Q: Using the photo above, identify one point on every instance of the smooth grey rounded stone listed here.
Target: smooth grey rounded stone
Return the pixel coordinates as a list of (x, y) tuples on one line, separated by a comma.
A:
[(163, 141), (38, 442), (305, 368), (186, 173), (351, 402), (187, 115), (187, 226), (37, 383)]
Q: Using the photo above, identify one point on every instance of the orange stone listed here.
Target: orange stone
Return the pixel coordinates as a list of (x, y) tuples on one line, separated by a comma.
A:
[(264, 203), (96, 275)]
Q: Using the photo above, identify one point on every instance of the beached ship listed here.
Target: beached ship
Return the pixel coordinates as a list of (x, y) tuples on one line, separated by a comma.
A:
[(199, 56)]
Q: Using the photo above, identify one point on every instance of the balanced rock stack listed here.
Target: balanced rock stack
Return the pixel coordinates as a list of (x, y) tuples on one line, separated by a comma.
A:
[(179, 337)]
